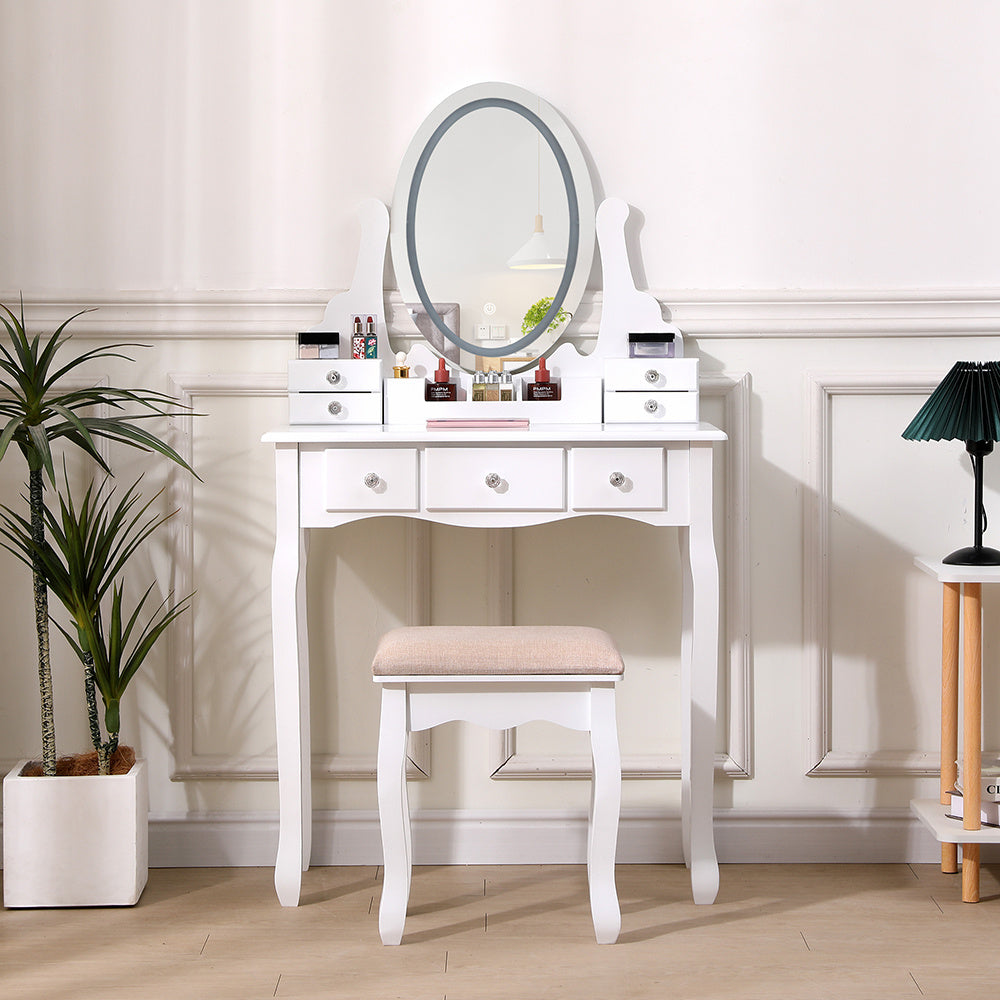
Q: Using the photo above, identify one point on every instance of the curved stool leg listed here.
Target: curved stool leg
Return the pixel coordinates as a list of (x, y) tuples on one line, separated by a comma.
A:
[(605, 806), (393, 814)]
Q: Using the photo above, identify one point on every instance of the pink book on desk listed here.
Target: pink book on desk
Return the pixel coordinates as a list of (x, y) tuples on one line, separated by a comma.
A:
[(481, 423)]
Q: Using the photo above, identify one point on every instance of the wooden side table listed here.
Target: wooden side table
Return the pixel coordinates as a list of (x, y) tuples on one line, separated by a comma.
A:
[(962, 602)]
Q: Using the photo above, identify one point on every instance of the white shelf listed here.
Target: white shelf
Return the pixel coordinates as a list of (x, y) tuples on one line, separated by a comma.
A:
[(930, 812), (953, 573)]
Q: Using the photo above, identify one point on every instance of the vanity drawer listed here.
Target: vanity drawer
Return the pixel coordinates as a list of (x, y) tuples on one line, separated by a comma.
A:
[(642, 374), (617, 479), (335, 407), (327, 375), (495, 478), (371, 479), (650, 407)]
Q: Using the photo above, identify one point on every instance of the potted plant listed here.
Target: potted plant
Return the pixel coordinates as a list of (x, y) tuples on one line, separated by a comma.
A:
[(91, 543), (50, 860)]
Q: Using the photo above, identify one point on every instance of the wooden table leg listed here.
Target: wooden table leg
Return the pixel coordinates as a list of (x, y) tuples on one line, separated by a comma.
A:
[(949, 709), (972, 666), (970, 873)]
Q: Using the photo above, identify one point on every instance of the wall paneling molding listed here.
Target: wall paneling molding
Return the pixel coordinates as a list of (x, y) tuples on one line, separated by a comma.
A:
[(188, 764), (823, 759), (736, 761), (778, 313)]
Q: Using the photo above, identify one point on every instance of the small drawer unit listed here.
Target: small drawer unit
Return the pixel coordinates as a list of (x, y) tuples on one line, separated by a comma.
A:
[(651, 390), (333, 391), (617, 479), (495, 479), (383, 479)]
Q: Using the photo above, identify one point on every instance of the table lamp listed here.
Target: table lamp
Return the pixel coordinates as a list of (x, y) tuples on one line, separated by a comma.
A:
[(965, 407)]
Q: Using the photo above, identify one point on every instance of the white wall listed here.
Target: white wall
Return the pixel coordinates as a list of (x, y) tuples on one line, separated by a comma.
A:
[(816, 205)]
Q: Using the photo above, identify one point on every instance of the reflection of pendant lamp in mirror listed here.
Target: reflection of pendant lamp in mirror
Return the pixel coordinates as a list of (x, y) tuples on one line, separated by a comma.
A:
[(536, 254), (965, 407)]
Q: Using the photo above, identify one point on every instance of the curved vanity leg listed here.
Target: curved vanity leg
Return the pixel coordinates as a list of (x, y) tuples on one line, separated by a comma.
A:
[(290, 680), (305, 740), (393, 814), (700, 671), (605, 807), (404, 811), (687, 616)]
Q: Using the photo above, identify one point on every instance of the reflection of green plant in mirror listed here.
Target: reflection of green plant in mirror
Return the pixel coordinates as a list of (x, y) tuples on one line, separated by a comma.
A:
[(536, 314)]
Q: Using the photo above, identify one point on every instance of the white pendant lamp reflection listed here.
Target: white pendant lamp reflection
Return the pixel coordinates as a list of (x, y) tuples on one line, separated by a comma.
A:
[(536, 254)]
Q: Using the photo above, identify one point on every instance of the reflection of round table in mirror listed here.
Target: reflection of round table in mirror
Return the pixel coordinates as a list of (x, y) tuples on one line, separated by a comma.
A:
[(492, 175)]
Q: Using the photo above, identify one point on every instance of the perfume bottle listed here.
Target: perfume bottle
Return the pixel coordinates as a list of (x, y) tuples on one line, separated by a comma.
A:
[(479, 387), (493, 387), (442, 389), (506, 387), (543, 387), (401, 369)]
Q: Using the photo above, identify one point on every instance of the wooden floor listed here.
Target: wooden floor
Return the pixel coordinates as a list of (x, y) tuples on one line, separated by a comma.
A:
[(523, 933)]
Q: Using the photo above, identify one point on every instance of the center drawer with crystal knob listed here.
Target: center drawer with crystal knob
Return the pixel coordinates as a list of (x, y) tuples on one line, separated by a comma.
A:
[(495, 479)]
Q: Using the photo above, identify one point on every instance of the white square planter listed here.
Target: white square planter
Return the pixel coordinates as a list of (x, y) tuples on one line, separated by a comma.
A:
[(80, 841)]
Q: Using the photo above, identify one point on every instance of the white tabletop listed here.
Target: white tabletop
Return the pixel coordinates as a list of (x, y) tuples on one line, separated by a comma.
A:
[(947, 573), (566, 433)]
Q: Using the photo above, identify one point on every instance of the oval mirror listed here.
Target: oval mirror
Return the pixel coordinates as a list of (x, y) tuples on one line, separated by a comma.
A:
[(492, 230)]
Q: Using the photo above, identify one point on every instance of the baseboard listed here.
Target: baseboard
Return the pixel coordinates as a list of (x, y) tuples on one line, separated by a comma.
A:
[(236, 840), (460, 837)]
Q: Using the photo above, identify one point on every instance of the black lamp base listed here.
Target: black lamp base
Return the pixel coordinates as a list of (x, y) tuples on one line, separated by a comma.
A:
[(973, 555)]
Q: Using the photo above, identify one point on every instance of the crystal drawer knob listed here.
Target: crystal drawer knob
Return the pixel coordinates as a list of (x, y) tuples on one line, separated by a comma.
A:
[(333, 376), (617, 479), (652, 376), (651, 406), (335, 407), (372, 480), (493, 480)]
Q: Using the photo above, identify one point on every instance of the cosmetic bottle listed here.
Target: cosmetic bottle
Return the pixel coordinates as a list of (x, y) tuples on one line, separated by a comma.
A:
[(493, 387), (479, 387), (506, 387), (371, 339), (543, 387), (442, 389), (401, 369)]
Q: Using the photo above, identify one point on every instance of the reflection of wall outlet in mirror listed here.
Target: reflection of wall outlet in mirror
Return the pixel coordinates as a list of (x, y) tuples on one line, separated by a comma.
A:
[(498, 331), (482, 331)]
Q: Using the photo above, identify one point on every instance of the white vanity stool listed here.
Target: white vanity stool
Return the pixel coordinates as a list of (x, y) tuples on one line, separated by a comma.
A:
[(500, 677)]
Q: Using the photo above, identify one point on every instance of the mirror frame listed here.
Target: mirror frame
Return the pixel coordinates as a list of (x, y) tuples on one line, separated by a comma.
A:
[(576, 179)]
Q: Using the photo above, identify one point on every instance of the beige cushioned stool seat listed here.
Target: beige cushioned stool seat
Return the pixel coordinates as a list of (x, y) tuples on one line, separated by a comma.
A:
[(500, 650)]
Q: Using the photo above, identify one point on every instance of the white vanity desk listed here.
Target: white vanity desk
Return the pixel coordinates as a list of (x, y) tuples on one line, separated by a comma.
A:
[(623, 439), (546, 473)]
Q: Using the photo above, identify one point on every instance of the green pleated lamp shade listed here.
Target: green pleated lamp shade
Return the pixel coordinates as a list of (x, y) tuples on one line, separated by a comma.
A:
[(964, 407)]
